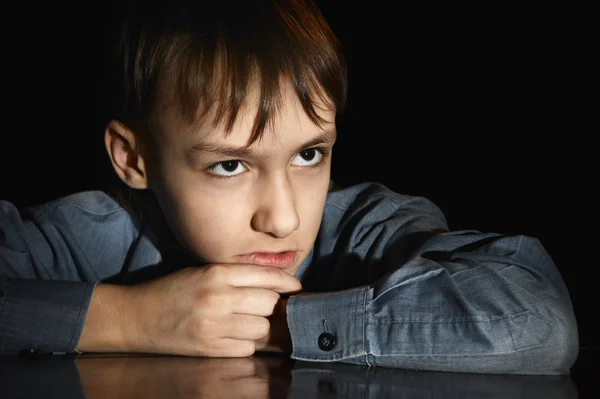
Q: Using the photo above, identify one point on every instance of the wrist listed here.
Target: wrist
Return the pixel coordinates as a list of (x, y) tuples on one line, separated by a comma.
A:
[(106, 324)]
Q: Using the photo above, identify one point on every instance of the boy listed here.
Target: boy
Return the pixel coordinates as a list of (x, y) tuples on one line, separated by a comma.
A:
[(230, 236)]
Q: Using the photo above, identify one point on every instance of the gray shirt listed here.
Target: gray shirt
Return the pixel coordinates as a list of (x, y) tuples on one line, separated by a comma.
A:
[(385, 284)]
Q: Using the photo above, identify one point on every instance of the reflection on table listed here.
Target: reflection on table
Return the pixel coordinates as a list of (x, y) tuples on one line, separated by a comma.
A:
[(107, 376)]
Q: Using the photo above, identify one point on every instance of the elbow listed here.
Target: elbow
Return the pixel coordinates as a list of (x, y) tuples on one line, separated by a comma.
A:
[(541, 345), (557, 346)]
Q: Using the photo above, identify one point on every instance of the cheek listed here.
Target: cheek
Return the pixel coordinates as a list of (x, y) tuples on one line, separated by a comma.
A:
[(204, 220), (212, 227)]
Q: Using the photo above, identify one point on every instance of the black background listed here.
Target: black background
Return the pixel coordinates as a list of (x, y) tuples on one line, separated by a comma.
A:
[(483, 110)]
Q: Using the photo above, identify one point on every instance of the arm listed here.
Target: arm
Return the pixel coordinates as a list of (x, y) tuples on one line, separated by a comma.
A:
[(421, 297), (51, 258)]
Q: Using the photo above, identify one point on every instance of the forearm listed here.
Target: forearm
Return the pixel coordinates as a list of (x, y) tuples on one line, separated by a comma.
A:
[(502, 309), (50, 260), (368, 331)]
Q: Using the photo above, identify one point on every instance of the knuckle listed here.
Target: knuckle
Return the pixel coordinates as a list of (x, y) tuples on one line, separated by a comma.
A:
[(247, 349), (274, 306), (274, 301), (266, 301), (272, 297), (216, 272), (273, 273), (207, 323), (297, 285), (201, 328), (263, 327), (281, 278), (276, 277)]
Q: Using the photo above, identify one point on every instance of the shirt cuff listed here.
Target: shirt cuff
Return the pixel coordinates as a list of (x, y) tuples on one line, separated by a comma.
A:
[(328, 327), (46, 315)]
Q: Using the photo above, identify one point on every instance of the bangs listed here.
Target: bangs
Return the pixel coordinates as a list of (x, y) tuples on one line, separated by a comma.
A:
[(211, 62)]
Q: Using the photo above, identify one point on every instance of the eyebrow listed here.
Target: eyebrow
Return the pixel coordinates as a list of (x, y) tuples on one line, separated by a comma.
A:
[(326, 137)]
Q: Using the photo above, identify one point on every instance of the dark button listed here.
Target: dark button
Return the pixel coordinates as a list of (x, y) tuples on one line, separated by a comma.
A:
[(29, 353), (327, 341)]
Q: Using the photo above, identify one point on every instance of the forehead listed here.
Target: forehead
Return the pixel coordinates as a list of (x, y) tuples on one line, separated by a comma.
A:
[(287, 123)]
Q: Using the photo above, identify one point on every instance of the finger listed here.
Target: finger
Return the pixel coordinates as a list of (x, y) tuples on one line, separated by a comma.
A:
[(245, 327), (253, 301), (242, 275)]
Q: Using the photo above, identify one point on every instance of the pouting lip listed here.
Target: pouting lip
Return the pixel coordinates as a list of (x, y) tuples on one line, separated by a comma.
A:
[(268, 251), (270, 258)]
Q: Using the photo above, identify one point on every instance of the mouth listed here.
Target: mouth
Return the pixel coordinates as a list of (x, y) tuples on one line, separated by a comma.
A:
[(280, 260)]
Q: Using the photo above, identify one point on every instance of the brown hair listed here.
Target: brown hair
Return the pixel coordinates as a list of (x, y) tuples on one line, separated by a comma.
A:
[(203, 55)]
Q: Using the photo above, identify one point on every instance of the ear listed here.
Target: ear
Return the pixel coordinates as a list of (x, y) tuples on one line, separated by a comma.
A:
[(123, 149)]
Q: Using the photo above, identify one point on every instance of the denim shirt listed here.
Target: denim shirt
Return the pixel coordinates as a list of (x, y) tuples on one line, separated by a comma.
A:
[(385, 284)]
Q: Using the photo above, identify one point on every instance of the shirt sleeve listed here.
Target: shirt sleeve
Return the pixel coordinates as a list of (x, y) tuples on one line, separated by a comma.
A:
[(51, 257), (418, 296)]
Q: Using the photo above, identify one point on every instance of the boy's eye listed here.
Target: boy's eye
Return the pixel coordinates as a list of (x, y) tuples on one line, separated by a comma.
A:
[(308, 157), (227, 168)]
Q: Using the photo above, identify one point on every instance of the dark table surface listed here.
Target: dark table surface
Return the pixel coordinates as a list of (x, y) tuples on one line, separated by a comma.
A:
[(271, 376)]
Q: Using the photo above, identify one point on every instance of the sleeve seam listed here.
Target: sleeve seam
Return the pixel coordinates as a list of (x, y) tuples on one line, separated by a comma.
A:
[(72, 343), (464, 320), (52, 207)]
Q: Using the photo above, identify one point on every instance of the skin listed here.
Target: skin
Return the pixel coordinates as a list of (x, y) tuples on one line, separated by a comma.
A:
[(222, 205)]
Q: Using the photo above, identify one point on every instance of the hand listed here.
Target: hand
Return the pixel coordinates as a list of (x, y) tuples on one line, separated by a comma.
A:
[(217, 310)]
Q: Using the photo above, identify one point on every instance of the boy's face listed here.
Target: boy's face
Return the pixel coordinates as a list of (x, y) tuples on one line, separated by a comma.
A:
[(260, 205)]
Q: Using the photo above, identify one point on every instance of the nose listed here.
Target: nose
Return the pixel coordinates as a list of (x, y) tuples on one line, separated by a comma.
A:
[(276, 212)]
